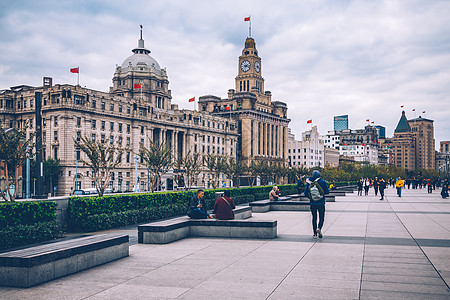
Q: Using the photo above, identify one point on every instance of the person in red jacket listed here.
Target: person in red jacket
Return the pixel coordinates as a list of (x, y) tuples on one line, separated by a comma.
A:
[(223, 208)]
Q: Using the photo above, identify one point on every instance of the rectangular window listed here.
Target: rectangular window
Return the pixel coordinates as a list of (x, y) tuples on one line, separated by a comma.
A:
[(78, 136), (103, 105), (128, 141), (78, 122), (128, 110), (102, 138), (55, 135), (120, 108), (55, 121), (94, 104), (111, 126), (111, 107), (128, 128), (120, 127), (102, 127), (44, 137), (93, 137), (94, 124)]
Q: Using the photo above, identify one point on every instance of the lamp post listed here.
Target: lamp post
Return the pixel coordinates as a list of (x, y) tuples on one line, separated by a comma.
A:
[(76, 171), (136, 158), (28, 174)]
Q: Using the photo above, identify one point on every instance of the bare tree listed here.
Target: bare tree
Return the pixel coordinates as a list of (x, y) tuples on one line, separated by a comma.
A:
[(191, 164), (158, 160), (216, 164), (102, 158), (13, 154), (235, 169)]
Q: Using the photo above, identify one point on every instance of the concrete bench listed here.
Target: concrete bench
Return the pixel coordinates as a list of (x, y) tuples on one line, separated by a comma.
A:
[(338, 193), (290, 205), (168, 231), (34, 265), (328, 198)]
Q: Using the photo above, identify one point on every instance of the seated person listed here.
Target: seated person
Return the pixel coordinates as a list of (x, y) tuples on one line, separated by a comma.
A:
[(273, 195), (197, 207), (223, 208)]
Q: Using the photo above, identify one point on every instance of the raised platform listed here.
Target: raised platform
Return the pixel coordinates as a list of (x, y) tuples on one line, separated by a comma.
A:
[(34, 265), (242, 226), (262, 206)]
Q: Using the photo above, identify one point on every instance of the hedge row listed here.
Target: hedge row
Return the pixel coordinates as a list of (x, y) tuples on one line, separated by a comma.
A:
[(26, 213), (109, 211), (20, 235)]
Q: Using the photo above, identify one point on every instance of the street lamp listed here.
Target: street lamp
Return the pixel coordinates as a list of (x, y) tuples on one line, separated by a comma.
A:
[(136, 188)]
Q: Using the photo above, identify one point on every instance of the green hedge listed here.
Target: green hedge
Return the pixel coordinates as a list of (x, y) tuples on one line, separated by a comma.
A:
[(20, 235), (26, 213), (110, 211)]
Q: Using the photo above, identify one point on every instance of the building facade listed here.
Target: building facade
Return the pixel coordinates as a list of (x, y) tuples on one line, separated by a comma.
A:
[(444, 146), (137, 110), (262, 124), (413, 143), (309, 152), (340, 123)]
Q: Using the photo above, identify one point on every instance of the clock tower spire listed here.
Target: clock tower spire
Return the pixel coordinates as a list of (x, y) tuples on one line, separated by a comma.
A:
[(249, 77)]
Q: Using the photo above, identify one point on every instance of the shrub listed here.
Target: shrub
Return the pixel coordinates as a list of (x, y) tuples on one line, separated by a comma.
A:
[(26, 213), (20, 235)]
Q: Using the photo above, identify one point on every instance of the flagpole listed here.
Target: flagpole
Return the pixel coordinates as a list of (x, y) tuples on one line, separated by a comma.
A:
[(250, 27), (78, 76)]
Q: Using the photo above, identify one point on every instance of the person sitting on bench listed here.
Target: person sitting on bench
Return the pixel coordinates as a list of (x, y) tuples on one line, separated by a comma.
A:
[(197, 207), (223, 208)]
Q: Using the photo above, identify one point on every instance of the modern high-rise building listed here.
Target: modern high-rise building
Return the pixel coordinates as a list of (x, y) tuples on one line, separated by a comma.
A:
[(381, 130), (340, 123)]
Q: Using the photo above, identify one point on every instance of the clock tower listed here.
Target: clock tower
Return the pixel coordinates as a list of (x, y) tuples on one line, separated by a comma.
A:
[(249, 77)]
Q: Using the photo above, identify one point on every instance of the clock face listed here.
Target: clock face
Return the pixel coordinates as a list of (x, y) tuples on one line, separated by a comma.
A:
[(245, 65), (257, 66)]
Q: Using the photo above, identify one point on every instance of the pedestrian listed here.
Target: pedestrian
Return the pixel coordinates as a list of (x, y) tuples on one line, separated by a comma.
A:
[(273, 195), (300, 184), (382, 187), (316, 188), (399, 185), (366, 186), (360, 187), (197, 207), (223, 208), (444, 191), (375, 186), (430, 186)]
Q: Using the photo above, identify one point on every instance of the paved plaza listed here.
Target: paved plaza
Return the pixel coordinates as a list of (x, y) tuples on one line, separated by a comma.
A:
[(398, 248)]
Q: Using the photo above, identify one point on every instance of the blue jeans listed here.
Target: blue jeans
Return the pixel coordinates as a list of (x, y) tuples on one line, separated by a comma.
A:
[(198, 214), (314, 210), (399, 191)]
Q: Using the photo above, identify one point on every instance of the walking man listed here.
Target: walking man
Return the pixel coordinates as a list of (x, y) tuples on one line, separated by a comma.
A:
[(316, 189), (375, 186), (399, 185), (382, 187)]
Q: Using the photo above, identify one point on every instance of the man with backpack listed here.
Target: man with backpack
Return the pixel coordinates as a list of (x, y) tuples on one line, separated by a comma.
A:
[(316, 189)]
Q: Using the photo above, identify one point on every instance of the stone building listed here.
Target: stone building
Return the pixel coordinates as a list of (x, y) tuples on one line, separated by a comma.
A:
[(262, 123), (309, 152), (413, 143), (137, 110)]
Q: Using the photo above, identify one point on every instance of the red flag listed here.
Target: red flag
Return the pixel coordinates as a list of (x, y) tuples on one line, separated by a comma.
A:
[(192, 99), (309, 122), (372, 122), (246, 19), (74, 70), (363, 144), (227, 107), (414, 109), (423, 112), (344, 144), (402, 106), (137, 85), (367, 120)]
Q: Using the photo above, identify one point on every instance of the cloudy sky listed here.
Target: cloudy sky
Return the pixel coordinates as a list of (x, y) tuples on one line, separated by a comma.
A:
[(323, 58)]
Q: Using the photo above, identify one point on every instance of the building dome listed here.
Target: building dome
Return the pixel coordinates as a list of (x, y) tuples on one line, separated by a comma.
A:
[(140, 60)]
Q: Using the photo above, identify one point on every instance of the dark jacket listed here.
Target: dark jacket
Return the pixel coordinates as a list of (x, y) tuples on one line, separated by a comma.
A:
[(382, 185), (193, 204), (223, 210), (323, 185)]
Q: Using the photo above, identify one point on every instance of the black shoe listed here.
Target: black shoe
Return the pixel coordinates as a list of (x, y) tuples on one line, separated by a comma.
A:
[(381, 199), (319, 232)]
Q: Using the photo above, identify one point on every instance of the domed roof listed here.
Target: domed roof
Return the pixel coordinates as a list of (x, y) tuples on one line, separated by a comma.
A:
[(141, 60)]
